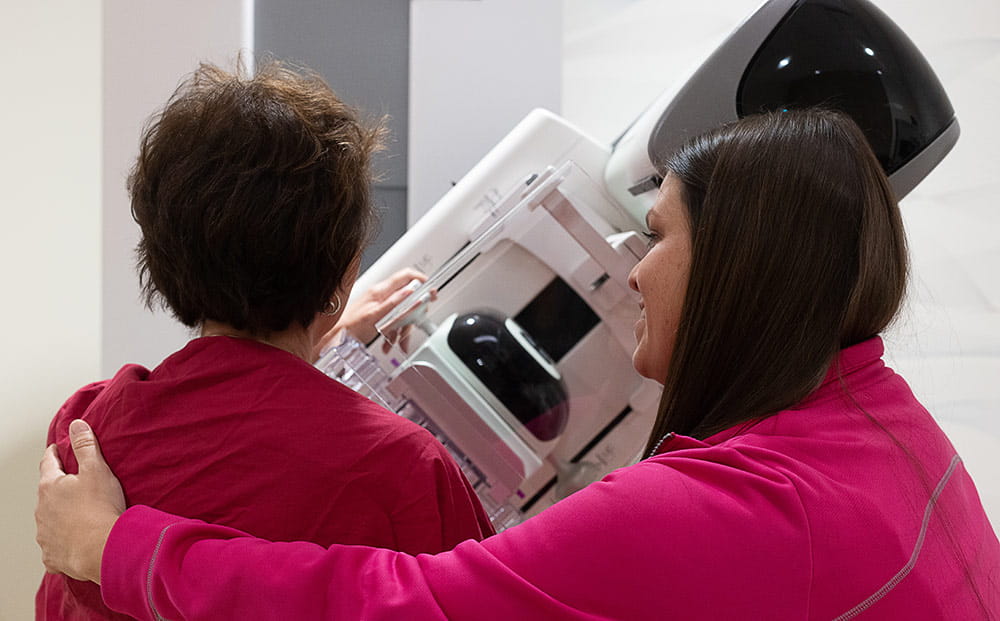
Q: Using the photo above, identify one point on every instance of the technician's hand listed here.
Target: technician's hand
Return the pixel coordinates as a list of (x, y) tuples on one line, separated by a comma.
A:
[(362, 314), (75, 512)]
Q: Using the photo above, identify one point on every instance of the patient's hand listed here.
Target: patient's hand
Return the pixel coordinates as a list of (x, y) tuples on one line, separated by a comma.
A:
[(75, 513), (363, 313)]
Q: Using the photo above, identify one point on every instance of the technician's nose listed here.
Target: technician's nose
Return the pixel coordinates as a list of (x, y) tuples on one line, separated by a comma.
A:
[(633, 283)]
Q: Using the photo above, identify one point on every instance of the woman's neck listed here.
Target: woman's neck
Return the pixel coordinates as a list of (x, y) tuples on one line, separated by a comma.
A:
[(296, 340)]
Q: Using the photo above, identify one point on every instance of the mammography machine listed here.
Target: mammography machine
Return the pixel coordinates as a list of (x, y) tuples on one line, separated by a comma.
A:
[(516, 353)]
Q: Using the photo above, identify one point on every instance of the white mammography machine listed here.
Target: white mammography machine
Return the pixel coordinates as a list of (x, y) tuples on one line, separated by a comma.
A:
[(516, 353)]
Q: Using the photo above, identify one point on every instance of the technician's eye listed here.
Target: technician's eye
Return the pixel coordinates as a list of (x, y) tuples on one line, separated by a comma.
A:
[(651, 238)]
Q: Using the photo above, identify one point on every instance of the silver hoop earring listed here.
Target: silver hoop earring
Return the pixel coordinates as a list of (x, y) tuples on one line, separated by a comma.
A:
[(331, 308)]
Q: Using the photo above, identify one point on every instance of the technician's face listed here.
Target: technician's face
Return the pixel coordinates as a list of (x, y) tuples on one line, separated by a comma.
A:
[(661, 279)]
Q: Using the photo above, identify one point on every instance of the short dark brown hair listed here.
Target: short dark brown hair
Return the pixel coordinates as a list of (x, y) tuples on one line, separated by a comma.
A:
[(798, 251), (253, 195)]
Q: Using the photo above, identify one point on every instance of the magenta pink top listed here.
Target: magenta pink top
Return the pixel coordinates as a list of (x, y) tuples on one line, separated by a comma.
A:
[(246, 435), (818, 512)]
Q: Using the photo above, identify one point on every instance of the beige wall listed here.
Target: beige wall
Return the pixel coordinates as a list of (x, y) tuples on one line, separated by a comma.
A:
[(50, 153), (70, 299)]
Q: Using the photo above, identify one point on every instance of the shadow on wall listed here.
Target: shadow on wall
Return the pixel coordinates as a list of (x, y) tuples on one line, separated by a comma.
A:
[(21, 568)]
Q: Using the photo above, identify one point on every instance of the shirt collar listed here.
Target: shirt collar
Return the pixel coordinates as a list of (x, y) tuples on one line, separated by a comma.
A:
[(848, 361)]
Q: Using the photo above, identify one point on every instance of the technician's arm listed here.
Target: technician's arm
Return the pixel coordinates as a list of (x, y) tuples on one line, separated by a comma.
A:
[(158, 566), (637, 545), (569, 563)]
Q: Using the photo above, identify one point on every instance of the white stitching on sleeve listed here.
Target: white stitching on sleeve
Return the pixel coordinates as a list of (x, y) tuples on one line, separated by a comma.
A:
[(902, 573), (149, 573)]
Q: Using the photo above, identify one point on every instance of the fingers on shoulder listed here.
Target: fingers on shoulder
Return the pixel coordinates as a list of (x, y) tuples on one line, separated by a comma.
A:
[(50, 468)]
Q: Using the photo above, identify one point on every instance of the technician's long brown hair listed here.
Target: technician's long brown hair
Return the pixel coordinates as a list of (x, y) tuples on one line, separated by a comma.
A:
[(798, 251)]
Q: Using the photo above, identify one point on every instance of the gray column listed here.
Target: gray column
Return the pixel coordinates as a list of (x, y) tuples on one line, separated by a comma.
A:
[(362, 49)]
